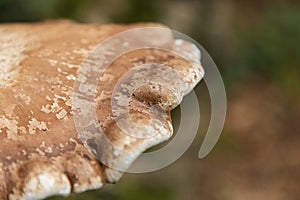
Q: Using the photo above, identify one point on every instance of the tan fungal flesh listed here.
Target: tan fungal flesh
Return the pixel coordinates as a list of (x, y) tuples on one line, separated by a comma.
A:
[(41, 153)]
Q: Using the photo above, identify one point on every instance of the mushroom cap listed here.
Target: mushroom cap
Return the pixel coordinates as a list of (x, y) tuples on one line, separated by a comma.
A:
[(41, 152)]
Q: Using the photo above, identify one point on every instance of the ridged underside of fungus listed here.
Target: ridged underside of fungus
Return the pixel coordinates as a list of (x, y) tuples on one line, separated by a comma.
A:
[(41, 152)]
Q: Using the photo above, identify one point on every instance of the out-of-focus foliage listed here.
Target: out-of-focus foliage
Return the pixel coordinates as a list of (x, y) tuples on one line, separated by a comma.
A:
[(130, 190), (270, 47), (35, 10)]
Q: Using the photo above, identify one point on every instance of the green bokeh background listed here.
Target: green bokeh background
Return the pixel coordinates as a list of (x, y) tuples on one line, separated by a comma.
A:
[(256, 47)]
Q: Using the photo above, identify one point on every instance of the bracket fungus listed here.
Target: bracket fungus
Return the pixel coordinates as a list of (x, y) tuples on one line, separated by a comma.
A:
[(42, 152)]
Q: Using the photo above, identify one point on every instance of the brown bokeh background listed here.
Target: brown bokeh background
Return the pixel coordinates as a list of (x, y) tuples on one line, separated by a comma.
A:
[(255, 45)]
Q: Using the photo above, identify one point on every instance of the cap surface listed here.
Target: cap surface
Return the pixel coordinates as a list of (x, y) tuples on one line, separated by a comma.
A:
[(41, 152)]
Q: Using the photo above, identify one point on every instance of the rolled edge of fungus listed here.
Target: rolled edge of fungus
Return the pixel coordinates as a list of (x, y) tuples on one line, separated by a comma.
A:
[(38, 138)]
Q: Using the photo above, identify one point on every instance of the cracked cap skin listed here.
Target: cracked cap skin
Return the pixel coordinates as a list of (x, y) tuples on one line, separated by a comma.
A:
[(41, 153)]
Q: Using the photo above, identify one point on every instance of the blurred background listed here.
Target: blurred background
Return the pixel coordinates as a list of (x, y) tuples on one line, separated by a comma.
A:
[(255, 45)]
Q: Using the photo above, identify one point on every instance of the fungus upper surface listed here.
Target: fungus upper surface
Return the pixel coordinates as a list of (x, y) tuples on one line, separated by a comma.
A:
[(41, 153)]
